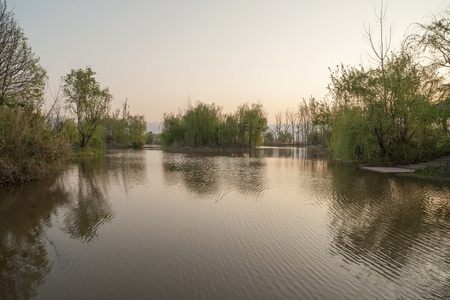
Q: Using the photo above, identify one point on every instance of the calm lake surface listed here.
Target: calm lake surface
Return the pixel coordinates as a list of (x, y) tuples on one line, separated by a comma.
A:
[(273, 224)]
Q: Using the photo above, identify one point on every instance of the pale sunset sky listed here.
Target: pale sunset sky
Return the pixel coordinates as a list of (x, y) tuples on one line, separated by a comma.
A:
[(159, 54)]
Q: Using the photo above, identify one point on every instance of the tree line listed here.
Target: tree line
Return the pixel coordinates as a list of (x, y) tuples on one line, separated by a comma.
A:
[(205, 125), (393, 111), (296, 126), (34, 142)]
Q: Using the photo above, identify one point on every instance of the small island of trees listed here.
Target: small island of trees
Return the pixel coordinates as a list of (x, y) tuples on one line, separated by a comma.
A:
[(203, 125)]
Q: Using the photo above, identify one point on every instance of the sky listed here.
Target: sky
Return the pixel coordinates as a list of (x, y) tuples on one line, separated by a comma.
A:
[(161, 55)]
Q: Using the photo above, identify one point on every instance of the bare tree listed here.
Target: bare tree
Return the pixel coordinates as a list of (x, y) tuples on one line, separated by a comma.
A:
[(298, 125), (286, 127), (290, 119), (278, 124), (303, 113), (381, 48), (22, 79)]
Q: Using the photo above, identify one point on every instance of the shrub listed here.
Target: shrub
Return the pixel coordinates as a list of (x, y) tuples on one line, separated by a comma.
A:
[(29, 148)]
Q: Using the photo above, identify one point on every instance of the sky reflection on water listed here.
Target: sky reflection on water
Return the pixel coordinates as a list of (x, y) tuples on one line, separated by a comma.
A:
[(275, 223)]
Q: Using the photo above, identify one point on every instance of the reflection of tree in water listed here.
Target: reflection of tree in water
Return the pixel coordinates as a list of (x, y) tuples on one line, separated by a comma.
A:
[(212, 175), (369, 211), (247, 175), (290, 152), (387, 222), (125, 168), (26, 213), (23, 218), (197, 172), (90, 208)]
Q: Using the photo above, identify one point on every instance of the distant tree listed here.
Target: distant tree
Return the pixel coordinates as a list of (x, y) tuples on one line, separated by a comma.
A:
[(268, 138), (112, 127), (324, 119), (87, 101), (128, 130), (136, 131), (305, 120), (278, 124), (202, 124), (22, 79), (173, 130), (252, 123), (228, 131), (287, 125), (149, 138), (291, 119)]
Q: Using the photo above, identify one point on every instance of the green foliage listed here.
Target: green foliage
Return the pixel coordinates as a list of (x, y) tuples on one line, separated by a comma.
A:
[(127, 130), (252, 122), (88, 102), (350, 139), (22, 79), (268, 138), (150, 138), (228, 131), (434, 39), (97, 142), (440, 171), (396, 112), (204, 125), (286, 138), (386, 114), (68, 129), (29, 148), (136, 129), (173, 130)]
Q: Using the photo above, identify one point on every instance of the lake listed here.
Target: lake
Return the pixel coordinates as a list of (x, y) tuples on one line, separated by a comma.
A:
[(277, 223)]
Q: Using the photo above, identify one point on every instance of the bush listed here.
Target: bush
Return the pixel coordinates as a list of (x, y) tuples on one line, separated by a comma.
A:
[(442, 170), (350, 139), (29, 148)]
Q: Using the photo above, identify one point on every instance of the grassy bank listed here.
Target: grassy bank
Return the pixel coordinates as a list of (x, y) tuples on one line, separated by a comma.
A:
[(440, 172)]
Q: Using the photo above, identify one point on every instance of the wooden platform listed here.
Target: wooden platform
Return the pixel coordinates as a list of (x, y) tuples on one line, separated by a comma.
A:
[(386, 170)]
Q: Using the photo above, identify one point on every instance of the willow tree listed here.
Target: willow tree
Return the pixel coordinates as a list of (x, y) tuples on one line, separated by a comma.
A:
[(173, 130), (392, 110), (386, 112), (87, 101), (252, 122), (202, 123), (433, 41), (434, 38)]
